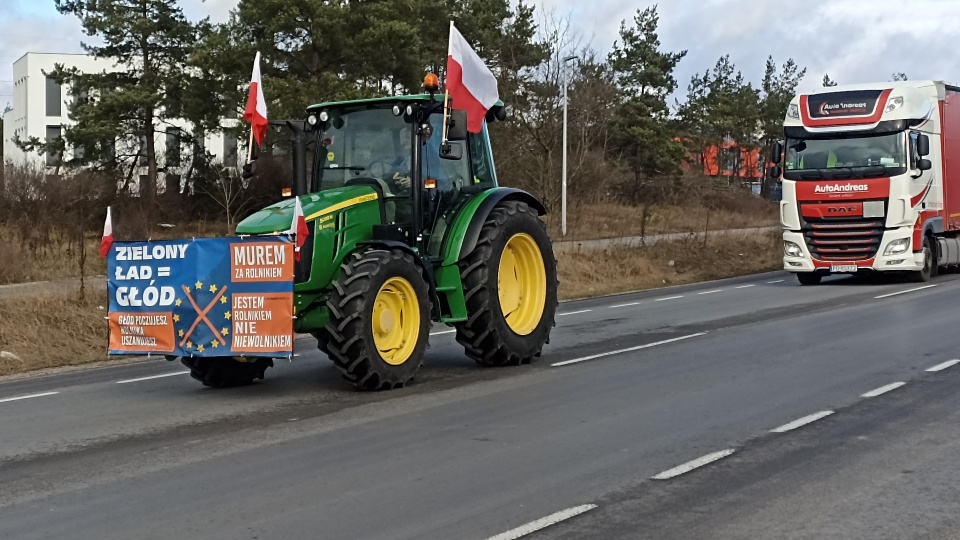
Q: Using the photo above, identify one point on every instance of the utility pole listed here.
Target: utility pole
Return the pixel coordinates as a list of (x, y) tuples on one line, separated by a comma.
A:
[(563, 195)]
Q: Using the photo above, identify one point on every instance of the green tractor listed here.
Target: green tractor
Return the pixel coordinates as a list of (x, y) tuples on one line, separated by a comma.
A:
[(406, 227)]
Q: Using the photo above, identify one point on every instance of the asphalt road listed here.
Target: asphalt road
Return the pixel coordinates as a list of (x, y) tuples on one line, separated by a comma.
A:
[(602, 435)]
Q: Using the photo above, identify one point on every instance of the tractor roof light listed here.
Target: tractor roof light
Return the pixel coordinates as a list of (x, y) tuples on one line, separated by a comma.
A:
[(431, 83), (397, 110), (312, 120), (324, 116)]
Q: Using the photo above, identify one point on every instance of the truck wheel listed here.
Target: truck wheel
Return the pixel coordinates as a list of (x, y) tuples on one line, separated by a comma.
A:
[(809, 278), (379, 319), (227, 372), (929, 264), (510, 287)]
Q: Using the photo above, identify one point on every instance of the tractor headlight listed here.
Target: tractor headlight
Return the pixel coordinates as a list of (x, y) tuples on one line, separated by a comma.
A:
[(324, 116), (397, 111), (792, 249), (312, 120), (793, 111), (894, 104), (897, 246)]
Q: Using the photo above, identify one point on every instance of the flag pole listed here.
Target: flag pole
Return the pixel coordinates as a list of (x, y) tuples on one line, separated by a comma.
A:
[(250, 145), (446, 91)]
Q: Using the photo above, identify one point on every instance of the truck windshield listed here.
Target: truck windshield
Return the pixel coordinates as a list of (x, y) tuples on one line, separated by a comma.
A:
[(364, 143), (845, 156)]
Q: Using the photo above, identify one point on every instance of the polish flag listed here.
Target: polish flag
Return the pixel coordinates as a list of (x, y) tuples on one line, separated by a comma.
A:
[(298, 227), (470, 83), (107, 239), (256, 111)]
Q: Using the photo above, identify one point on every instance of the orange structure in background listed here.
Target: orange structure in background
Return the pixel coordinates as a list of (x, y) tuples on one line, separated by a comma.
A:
[(722, 161)]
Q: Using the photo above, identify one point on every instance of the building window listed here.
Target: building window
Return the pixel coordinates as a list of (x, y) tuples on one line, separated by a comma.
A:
[(53, 135), (54, 98), (229, 150), (173, 147)]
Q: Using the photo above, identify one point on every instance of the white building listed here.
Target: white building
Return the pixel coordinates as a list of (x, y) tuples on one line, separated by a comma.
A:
[(40, 109)]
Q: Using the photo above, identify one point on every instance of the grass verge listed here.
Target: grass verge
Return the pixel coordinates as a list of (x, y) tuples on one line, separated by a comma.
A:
[(56, 330)]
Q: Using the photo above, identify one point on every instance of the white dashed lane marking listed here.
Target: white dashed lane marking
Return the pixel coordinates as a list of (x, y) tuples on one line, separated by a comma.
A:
[(691, 465), (18, 398), (625, 305), (883, 389), (153, 377), (905, 292), (801, 422), (945, 365), (543, 523), (668, 298), (574, 312), (621, 351)]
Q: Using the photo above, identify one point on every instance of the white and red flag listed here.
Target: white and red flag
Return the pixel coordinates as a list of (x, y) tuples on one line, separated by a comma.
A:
[(256, 111), (107, 239), (469, 82), (298, 227)]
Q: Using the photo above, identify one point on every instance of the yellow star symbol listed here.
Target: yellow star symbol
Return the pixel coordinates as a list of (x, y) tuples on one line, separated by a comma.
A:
[(198, 285), (223, 299), (179, 302), (176, 318), (224, 331), (227, 316), (213, 288), (189, 344), (200, 348), (214, 344), (181, 332)]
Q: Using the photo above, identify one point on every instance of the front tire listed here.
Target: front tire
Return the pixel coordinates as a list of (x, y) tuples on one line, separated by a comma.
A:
[(929, 264), (510, 288), (379, 319), (809, 278)]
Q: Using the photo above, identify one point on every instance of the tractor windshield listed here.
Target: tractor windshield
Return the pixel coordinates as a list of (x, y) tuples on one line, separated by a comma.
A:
[(355, 145)]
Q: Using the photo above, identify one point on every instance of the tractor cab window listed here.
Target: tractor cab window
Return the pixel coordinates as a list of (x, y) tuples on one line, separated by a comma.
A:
[(449, 176), (481, 157), (367, 146)]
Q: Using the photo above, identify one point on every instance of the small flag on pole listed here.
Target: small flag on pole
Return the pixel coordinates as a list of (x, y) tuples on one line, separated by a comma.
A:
[(470, 83), (107, 239), (256, 111), (298, 227)]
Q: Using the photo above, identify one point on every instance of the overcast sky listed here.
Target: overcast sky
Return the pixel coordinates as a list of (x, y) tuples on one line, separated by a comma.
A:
[(852, 40)]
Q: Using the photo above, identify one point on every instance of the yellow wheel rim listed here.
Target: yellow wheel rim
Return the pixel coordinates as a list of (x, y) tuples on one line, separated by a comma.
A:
[(522, 284), (396, 321)]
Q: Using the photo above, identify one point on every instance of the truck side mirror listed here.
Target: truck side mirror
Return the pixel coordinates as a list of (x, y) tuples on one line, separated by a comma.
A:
[(774, 172), (923, 145), (457, 125), (451, 150), (924, 165), (776, 151)]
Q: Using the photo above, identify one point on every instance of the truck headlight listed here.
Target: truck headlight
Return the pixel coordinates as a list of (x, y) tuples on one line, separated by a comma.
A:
[(791, 249), (793, 111), (897, 246)]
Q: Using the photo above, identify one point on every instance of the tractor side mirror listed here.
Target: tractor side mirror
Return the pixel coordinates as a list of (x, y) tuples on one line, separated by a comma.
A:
[(774, 172), (457, 125), (924, 164), (776, 151), (451, 150), (248, 171), (923, 146)]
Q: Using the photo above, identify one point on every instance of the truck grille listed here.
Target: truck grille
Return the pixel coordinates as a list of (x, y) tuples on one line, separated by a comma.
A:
[(843, 239)]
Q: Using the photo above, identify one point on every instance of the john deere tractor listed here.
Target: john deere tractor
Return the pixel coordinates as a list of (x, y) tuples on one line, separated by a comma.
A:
[(406, 227)]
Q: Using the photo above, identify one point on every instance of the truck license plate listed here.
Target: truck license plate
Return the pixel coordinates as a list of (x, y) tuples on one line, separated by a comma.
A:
[(843, 268)]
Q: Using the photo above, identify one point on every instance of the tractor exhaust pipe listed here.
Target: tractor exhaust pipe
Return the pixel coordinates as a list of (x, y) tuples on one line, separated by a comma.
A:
[(300, 184)]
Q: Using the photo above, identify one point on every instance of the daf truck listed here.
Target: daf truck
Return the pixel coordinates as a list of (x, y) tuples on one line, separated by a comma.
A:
[(870, 179)]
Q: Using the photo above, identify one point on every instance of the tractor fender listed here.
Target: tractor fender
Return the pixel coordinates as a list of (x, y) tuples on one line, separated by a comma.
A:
[(463, 239), (393, 244)]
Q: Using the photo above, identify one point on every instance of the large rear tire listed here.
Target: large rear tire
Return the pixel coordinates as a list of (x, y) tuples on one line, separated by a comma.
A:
[(510, 287), (379, 319), (227, 372)]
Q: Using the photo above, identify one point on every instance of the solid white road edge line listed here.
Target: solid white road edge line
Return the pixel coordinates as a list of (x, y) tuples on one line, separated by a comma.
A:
[(621, 351), (153, 377), (883, 389), (18, 398), (626, 305), (574, 312), (695, 464), (945, 365), (668, 298), (543, 523), (905, 292), (801, 422)]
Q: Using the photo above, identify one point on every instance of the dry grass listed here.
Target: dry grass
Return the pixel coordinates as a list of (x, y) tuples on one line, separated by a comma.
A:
[(52, 330), (616, 221), (608, 271)]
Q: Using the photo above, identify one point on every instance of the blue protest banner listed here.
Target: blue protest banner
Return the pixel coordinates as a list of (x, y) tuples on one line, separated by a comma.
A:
[(202, 297)]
